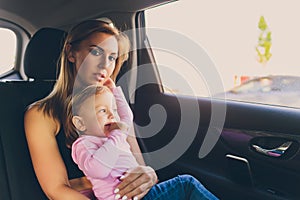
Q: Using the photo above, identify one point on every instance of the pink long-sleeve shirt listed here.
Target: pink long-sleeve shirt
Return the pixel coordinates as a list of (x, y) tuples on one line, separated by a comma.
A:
[(104, 160)]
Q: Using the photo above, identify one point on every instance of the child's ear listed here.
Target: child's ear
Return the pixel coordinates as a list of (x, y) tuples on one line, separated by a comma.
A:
[(70, 53), (78, 123)]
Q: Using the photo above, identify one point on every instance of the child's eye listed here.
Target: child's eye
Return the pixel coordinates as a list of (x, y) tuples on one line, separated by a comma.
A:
[(96, 52), (102, 111)]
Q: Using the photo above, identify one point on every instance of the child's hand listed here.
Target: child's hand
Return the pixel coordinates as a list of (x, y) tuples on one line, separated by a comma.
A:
[(122, 126), (109, 83), (118, 125)]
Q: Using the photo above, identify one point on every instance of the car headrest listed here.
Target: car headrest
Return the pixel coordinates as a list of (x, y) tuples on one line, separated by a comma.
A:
[(42, 54)]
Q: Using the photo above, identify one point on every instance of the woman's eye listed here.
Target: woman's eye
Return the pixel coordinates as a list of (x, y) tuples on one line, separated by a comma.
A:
[(111, 58), (96, 52)]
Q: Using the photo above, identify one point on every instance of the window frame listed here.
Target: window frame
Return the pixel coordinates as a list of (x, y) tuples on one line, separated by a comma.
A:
[(22, 39), (145, 49)]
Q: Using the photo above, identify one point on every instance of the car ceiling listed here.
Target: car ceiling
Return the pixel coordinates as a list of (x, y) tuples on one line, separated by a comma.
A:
[(56, 13)]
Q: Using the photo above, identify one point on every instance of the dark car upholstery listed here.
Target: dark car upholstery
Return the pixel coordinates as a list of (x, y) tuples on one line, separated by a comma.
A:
[(4, 194), (18, 180), (42, 53)]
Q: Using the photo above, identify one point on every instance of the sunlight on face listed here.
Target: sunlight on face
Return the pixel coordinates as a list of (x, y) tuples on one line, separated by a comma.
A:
[(96, 59), (98, 113)]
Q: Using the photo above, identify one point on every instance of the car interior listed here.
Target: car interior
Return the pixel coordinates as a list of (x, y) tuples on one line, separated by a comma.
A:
[(256, 152)]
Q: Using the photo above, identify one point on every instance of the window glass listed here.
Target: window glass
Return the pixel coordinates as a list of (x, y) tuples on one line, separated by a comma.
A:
[(7, 49), (255, 50)]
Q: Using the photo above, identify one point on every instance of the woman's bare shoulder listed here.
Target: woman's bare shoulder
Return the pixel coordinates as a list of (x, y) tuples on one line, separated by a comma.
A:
[(36, 119)]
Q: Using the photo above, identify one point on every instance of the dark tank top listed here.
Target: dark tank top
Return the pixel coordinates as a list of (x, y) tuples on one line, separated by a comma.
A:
[(72, 169)]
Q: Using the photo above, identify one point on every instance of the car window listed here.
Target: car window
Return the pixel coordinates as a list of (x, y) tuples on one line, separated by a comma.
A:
[(254, 49), (7, 49)]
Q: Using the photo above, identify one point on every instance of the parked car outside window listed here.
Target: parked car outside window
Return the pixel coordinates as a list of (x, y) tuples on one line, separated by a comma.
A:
[(275, 90)]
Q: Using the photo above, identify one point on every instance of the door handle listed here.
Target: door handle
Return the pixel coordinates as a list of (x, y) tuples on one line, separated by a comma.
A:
[(275, 152)]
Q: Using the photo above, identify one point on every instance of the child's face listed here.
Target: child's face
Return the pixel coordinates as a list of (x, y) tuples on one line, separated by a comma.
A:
[(98, 113)]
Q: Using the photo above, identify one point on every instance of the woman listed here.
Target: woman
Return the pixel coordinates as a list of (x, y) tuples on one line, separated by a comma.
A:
[(93, 51)]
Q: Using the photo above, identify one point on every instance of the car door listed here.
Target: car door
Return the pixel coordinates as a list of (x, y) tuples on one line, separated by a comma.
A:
[(238, 150)]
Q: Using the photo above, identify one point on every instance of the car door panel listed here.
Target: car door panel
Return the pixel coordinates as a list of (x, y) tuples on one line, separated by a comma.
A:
[(233, 169)]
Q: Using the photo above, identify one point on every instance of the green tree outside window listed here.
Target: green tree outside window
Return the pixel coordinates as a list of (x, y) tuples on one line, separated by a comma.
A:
[(263, 47)]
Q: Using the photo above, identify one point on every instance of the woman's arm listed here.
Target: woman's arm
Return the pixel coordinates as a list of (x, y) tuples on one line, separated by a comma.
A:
[(47, 162)]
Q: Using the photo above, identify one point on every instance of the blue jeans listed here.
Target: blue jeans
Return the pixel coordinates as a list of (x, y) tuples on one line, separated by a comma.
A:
[(182, 187)]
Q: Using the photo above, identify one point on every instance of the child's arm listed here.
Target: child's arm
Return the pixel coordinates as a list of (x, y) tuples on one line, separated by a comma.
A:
[(123, 108), (95, 161)]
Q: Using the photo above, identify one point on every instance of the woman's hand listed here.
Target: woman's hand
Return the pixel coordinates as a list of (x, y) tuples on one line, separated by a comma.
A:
[(136, 183)]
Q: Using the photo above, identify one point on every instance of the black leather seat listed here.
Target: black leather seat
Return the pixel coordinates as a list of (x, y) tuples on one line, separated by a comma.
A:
[(17, 177)]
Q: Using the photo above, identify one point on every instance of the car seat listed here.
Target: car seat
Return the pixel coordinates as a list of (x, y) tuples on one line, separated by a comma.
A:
[(18, 180)]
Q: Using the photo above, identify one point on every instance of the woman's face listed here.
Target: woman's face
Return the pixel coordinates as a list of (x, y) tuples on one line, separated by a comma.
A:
[(95, 59)]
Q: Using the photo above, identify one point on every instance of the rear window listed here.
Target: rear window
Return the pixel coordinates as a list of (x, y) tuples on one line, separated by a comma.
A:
[(7, 49)]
